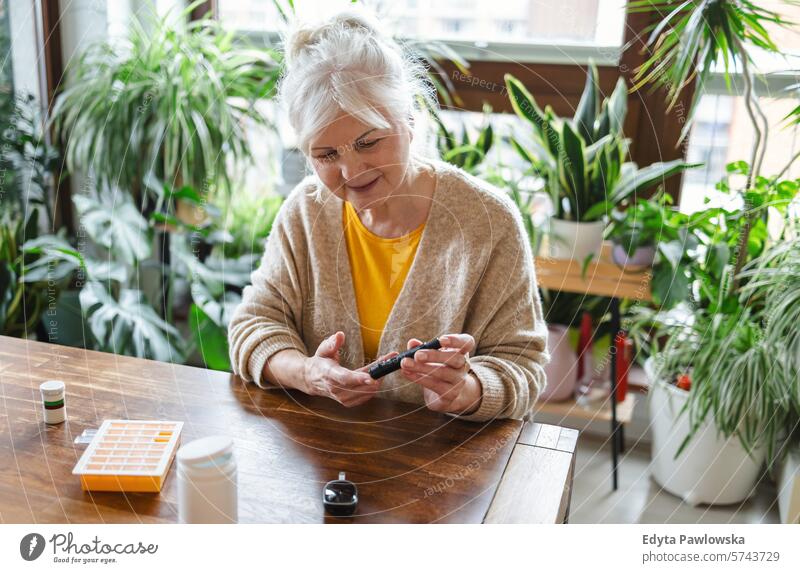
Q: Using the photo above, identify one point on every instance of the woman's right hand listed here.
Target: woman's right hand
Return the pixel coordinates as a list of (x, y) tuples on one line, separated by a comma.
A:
[(324, 376)]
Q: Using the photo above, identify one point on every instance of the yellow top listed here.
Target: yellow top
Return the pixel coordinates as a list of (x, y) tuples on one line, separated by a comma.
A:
[(379, 267)]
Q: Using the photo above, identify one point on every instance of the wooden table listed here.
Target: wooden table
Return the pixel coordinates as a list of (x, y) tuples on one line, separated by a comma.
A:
[(601, 277), (410, 464)]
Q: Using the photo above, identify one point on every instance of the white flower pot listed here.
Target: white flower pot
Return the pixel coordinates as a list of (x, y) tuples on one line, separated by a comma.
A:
[(562, 370), (571, 240), (789, 488), (711, 469)]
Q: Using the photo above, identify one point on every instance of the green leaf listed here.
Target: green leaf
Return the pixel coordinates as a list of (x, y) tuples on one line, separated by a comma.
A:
[(113, 222), (211, 340), (672, 252), (524, 104), (719, 255), (738, 167), (128, 325), (597, 211), (669, 286), (572, 169), (617, 106), (588, 106), (56, 260), (8, 286), (635, 181)]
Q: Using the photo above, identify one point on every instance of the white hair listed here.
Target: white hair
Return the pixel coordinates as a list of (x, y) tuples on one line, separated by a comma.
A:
[(348, 64)]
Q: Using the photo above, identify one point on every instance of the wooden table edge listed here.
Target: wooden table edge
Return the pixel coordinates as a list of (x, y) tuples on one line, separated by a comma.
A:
[(532, 439)]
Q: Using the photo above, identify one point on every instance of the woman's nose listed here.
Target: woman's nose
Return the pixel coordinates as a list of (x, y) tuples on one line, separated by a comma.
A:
[(351, 165)]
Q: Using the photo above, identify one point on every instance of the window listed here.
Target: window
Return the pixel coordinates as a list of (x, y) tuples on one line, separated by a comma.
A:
[(20, 70), (722, 133), (566, 31)]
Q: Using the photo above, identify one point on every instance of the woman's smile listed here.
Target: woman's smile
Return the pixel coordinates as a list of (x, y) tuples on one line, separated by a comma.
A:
[(363, 187)]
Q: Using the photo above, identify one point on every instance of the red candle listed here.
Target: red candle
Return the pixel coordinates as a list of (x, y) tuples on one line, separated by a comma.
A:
[(623, 351)]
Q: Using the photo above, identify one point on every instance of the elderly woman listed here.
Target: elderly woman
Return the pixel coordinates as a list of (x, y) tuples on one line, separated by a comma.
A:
[(381, 250)]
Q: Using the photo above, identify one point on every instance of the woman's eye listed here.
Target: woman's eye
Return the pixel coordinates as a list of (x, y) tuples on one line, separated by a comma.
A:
[(329, 156), (367, 144)]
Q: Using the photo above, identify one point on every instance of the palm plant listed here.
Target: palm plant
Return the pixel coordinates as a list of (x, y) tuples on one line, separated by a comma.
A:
[(691, 38), (583, 160), (171, 104)]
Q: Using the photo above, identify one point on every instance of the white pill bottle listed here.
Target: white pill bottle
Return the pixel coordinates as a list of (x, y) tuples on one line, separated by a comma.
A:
[(207, 481)]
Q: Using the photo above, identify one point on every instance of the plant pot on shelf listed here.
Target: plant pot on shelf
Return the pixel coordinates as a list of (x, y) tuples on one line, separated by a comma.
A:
[(575, 240), (641, 258), (789, 488), (561, 371), (711, 469)]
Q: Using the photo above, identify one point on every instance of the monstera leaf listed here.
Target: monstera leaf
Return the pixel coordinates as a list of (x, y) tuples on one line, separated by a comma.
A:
[(128, 324), (114, 222)]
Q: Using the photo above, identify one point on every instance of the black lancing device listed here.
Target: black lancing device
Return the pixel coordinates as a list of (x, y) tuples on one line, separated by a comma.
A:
[(388, 366), (340, 496)]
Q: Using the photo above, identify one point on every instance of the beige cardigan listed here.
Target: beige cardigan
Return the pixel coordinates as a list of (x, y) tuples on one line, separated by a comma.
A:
[(473, 272)]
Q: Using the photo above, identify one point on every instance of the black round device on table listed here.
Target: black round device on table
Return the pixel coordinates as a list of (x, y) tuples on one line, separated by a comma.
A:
[(340, 497)]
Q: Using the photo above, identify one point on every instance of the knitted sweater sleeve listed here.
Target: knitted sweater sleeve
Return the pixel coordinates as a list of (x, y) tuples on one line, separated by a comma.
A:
[(511, 337), (268, 319)]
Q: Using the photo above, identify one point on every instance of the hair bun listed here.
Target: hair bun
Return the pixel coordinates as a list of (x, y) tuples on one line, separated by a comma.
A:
[(305, 34)]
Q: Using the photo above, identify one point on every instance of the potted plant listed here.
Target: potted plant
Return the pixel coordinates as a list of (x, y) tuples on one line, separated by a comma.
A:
[(582, 162), (34, 269), (651, 234), (169, 104), (463, 151), (709, 442), (635, 233)]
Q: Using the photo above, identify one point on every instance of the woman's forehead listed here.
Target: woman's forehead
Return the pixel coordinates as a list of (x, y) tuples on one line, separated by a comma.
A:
[(344, 129)]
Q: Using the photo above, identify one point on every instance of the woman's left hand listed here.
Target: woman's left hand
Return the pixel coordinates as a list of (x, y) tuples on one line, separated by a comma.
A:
[(448, 385)]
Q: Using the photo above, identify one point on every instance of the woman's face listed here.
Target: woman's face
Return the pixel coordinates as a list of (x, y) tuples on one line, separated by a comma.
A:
[(359, 163)]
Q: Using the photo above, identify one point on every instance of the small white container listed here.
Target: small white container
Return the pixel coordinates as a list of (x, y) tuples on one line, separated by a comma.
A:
[(53, 401), (207, 481)]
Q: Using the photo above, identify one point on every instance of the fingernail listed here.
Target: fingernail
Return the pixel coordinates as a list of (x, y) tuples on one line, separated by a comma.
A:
[(422, 355), (406, 363), (444, 339)]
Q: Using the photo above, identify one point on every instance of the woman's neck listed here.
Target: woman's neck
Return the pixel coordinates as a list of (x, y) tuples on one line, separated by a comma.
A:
[(406, 208)]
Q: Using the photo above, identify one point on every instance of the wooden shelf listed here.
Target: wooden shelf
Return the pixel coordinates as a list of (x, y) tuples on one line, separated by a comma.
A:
[(598, 408), (603, 277)]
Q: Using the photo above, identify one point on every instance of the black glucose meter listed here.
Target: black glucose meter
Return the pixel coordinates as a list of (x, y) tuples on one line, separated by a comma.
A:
[(340, 497)]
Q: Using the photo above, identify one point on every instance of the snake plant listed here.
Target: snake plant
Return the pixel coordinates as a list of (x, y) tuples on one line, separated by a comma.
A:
[(583, 160)]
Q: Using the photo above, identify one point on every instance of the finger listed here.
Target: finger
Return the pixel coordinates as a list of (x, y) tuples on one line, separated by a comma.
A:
[(461, 342), (351, 378), (452, 358), (413, 343), (441, 388), (366, 368), (441, 371), (331, 345), (347, 396), (358, 400), (357, 394)]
